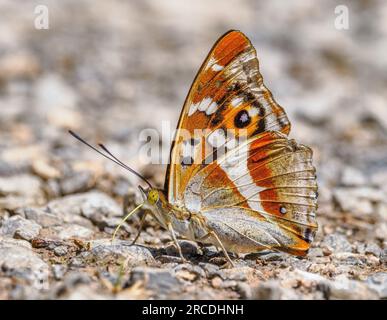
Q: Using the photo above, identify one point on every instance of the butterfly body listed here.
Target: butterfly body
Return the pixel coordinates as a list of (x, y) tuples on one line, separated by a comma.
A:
[(191, 225)]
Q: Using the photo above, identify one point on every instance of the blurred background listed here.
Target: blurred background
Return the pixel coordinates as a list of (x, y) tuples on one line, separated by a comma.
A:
[(110, 69)]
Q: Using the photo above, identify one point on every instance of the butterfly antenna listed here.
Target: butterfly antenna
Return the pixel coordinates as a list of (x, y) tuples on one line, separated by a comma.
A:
[(126, 166), (112, 158)]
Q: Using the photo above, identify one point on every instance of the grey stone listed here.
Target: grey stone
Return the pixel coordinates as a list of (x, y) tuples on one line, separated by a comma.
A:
[(315, 252), (228, 284), (210, 269), (74, 278), (273, 256), (17, 260), (109, 223), (305, 276), (87, 292), (123, 187), (352, 177), (76, 285), (376, 109), (60, 251), (336, 243), (23, 185), (343, 288), (244, 290), (54, 95), (104, 251), (383, 256), (240, 273), (340, 287), (15, 242), (360, 247), (210, 251), (93, 205), (76, 183), (373, 248), (271, 290), (68, 215), (357, 201), (45, 219), (213, 271), (79, 261), (19, 227), (381, 210), (52, 188), (20, 291), (381, 231), (20, 190), (196, 270), (349, 258), (378, 282), (58, 271), (162, 283), (69, 231), (172, 260)]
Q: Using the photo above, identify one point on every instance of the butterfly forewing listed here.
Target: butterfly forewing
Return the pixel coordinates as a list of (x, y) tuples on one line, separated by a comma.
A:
[(228, 101)]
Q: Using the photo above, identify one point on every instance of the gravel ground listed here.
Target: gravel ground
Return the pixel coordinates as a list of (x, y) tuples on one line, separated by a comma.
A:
[(108, 71)]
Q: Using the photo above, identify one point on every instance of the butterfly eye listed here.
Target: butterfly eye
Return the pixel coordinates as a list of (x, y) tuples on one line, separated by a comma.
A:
[(283, 210), (153, 196)]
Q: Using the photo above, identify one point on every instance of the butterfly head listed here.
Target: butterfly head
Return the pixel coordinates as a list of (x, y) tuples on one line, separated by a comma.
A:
[(151, 195)]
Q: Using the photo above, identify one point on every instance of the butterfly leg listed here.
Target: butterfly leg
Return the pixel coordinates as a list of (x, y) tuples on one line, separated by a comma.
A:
[(140, 228), (170, 228), (215, 236)]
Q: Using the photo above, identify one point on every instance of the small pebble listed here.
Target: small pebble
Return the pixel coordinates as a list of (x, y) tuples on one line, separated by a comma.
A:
[(58, 271), (60, 251), (216, 282)]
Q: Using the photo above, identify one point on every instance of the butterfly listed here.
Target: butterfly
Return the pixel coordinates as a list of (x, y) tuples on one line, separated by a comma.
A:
[(240, 184)]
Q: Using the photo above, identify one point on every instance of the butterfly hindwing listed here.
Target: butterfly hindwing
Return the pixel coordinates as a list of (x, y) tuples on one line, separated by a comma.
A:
[(269, 183)]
